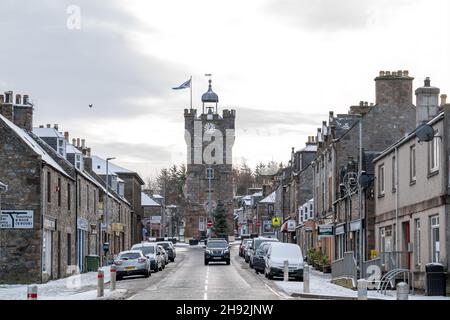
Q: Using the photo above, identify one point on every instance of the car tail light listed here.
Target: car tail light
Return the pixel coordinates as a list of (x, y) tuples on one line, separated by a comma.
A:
[(142, 260)]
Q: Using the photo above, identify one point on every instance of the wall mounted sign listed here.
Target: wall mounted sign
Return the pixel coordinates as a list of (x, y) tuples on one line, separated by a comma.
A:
[(16, 219)]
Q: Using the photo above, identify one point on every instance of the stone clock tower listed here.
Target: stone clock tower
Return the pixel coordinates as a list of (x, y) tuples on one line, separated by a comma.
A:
[(209, 137)]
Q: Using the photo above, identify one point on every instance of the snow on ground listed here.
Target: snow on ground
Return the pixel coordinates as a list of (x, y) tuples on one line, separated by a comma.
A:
[(77, 287), (320, 285)]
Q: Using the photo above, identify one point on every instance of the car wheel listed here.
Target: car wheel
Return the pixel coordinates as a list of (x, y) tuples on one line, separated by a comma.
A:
[(251, 264), (228, 262), (146, 273), (299, 279), (172, 259), (118, 278), (256, 270), (206, 262), (269, 276)]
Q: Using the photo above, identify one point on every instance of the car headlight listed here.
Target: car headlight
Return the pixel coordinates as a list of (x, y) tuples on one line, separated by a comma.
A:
[(208, 251), (226, 251)]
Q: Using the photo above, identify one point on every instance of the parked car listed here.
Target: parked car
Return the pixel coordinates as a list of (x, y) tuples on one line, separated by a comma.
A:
[(170, 248), (217, 250), (277, 253), (259, 261), (247, 245), (242, 245), (256, 242), (132, 262), (150, 250), (164, 255)]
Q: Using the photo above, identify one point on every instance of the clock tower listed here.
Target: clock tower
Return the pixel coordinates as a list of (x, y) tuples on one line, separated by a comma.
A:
[(209, 178)]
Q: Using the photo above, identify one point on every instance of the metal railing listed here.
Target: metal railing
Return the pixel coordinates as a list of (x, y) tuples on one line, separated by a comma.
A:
[(345, 267), (394, 260)]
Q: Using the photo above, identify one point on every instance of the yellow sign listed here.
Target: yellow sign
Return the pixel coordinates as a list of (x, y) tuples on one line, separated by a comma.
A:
[(373, 254), (276, 221), (117, 227)]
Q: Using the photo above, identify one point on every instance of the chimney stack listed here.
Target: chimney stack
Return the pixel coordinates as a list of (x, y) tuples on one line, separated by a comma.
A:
[(25, 99), (56, 127), (18, 99), (41, 126), (443, 99), (83, 143), (394, 89), (49, 125), (74, 141), (427, 102), (66, 136), (78, 142)]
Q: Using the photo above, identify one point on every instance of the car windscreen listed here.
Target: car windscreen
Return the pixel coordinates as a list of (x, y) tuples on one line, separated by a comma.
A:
[(258, 242), (129, 256), (217, 244), (145, 249)]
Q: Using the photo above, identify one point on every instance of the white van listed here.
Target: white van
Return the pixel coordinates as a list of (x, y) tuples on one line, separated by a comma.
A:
[(276, 255)]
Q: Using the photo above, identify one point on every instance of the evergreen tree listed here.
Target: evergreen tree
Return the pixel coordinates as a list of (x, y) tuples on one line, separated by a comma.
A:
[(220, 220)]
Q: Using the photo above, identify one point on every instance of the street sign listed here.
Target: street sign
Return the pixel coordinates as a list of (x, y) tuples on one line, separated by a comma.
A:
[(16, 219), (276, 221), (210, 224)]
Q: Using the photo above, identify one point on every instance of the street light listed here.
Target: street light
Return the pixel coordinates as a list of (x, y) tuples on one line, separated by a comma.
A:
[(107, 195)]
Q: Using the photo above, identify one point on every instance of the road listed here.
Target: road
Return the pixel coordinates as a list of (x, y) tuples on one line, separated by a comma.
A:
[(189, 279)]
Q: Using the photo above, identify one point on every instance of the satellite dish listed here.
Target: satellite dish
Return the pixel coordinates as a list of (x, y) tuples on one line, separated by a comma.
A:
[(425, 133)]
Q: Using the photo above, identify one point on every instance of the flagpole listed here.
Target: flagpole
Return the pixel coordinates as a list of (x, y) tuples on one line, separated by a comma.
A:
[(191, 92)]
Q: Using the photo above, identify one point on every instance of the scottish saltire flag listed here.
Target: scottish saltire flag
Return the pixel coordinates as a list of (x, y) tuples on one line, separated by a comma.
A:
[(185, 85)]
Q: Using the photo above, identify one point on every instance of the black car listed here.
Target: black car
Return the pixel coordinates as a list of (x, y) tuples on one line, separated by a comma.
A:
[(258, 259), (217, 250)]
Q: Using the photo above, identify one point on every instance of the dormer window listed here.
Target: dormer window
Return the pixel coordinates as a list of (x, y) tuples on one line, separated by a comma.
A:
[(61, 147), (79, 161)]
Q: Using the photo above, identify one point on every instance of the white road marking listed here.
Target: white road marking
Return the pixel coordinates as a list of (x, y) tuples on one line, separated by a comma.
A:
[(205, 295)]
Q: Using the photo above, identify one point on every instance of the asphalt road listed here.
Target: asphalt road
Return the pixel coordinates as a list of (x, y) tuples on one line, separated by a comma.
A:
[(189, 279)]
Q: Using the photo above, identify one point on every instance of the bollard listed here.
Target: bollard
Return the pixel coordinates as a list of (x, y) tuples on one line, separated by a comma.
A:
[(402, 291), (362, 289), (32, 292), (306, 278), (100, 283), (113, 277), (286, 270)]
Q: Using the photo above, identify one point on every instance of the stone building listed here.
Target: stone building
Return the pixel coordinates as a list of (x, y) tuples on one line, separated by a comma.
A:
[(52, 213), (151, 215), (390, 118), (210, 138), (411, 192), (38, 211)]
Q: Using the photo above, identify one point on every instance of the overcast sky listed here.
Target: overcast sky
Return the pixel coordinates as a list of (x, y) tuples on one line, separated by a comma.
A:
[(282, 64)]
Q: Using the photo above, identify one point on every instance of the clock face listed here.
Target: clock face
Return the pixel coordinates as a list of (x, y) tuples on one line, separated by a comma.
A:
[(209, 127)]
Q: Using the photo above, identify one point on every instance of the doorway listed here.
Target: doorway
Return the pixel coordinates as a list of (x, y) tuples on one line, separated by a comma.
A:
[(406, 254)]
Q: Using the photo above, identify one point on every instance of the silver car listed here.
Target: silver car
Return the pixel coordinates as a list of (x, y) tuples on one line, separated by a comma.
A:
[(132, 262), (150, 250), (165, 256)]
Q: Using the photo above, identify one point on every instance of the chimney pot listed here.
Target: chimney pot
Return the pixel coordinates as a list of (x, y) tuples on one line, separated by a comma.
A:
[(83, 142), (427, 82), (88, 153), (8, 96), (18, 99), (25, 98), (2, 99), (405, 73), (49, 125), (388, 73), (78, 142), (381, 73), (400, 73), (443, 99), (66, 136), (55, 126), (41, 126), (74, 141)]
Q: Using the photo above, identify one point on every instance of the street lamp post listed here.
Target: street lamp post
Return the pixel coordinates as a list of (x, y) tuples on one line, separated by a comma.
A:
[(107, 217)]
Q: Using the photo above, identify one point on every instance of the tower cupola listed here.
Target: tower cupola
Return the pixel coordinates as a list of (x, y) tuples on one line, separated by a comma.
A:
[(210, 100)]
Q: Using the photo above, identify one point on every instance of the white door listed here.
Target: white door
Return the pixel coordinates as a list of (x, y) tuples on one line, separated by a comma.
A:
[(81, 249), (47, 252)]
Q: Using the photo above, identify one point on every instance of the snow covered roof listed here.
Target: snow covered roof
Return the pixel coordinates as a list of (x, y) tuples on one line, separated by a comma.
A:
[(157, 196), (146, 201), (310, 148), (257, 194), (248, 202), (47, 133), (70, 148), (247, 197), (97, 161), (271, 198), (34, 146), (99, 166)]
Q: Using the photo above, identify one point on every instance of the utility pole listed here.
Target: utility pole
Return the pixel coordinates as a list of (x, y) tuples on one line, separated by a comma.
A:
[(361, 229), (209, 198), (107, 217)]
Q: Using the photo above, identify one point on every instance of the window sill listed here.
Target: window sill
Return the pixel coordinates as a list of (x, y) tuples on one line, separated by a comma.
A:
[(381, 196), (412, 182), (433, 173)]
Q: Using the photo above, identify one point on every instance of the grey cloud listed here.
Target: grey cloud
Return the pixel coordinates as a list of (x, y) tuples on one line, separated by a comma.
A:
[(66, 70)]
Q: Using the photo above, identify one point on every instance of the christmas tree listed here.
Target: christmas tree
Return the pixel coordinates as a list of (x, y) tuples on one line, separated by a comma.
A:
[(220, 220)]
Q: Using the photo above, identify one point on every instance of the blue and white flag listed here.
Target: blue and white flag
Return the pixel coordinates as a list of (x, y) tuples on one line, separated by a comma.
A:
[(185, 85)]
